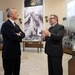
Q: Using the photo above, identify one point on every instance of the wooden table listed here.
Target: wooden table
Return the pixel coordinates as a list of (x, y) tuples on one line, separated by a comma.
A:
[(68, 51), (33, 44)]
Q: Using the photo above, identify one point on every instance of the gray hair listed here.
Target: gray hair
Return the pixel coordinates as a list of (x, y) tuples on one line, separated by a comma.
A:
[(8, 11), (55, 16)]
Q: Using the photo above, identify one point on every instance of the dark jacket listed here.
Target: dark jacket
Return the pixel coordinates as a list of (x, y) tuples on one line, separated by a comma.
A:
[(53, 45), (11, 42)]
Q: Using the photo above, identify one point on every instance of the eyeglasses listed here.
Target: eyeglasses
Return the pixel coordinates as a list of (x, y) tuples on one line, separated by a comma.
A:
[(51, 18)]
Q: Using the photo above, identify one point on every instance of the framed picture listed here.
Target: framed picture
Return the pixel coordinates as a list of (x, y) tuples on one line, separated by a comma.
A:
[(33, 19)]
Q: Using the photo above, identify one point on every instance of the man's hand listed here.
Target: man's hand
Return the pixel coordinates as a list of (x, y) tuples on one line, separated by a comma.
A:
[(42, 37), (46, 32), (18, 34)]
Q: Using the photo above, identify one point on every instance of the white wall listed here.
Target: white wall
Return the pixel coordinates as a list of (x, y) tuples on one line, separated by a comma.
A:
[(57, 7)]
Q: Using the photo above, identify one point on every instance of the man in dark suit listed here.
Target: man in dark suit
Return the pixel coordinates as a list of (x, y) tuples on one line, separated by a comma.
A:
[(12, 36), (53, 47)]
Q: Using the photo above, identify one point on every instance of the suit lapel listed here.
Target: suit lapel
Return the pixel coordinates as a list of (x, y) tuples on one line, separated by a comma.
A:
[(53, 29), (10, 23), (14, 27)]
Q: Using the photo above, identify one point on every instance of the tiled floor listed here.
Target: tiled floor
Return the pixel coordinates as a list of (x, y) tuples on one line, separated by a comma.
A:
[(33, 63)]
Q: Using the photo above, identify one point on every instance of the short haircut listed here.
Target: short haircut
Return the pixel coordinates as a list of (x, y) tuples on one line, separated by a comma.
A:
[(55, 16), (8, 10)]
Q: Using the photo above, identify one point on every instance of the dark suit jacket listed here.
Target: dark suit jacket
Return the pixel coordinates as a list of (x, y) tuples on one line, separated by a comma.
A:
[(53, 45), (11, 42)]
